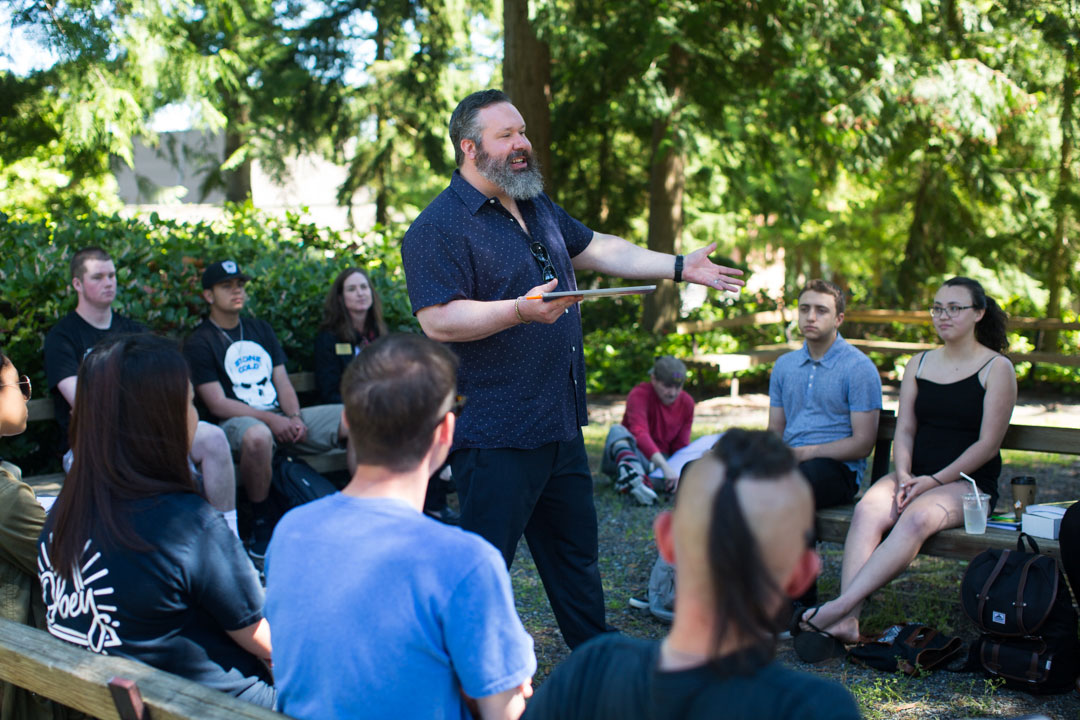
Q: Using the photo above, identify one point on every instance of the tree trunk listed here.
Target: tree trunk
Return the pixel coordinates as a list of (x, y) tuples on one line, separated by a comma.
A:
[(237, 180), (916, 263), (667, 181), (527, 79), (1060, 261), (381, 193)]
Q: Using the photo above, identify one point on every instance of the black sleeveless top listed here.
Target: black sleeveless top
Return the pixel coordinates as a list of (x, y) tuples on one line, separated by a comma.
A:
[(949, 417)]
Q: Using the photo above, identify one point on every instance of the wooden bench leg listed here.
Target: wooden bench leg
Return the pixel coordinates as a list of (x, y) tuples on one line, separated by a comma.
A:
[(128, 699)]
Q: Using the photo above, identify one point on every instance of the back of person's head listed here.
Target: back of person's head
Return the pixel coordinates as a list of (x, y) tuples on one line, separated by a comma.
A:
[(396, 393), (743, 518), (827, 288), (992, 329), (464, 123), (129, 439), (336, 318), (78, 260)]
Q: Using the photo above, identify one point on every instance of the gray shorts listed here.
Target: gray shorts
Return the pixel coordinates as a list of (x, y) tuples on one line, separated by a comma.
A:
[(323, 423)]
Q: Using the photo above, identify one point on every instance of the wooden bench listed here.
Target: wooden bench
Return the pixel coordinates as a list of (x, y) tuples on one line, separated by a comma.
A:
[(833, 523), (43, 410), (110, 688)]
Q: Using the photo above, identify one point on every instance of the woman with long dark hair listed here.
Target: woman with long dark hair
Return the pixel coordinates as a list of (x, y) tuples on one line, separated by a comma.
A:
[(352, 318), (955, 406), (133, 561)]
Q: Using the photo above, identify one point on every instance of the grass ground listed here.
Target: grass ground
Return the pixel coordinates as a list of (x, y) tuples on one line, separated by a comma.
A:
[(927, 593)]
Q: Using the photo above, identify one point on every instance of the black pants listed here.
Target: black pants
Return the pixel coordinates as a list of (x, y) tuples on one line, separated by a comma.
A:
[(833, 482), (547, 495)]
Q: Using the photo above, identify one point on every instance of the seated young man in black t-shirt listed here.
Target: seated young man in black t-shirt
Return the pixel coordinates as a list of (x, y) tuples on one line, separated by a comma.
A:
[(238, 370), (741, 537), (93, 276)]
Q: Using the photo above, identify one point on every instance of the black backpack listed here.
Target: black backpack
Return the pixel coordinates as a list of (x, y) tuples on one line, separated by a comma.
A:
[(1021, 603), (293, 482)]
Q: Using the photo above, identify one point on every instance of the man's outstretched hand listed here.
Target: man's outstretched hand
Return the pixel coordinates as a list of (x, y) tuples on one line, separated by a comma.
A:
[(698, 268)]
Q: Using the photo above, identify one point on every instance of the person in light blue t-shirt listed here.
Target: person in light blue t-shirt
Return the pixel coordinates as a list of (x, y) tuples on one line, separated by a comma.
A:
[(379, 611), (825, 399)]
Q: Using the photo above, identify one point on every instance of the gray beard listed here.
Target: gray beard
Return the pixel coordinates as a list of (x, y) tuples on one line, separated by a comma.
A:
[(518, 184)]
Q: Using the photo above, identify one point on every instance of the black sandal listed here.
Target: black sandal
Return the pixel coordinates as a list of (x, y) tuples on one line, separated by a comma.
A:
[(815, 645)]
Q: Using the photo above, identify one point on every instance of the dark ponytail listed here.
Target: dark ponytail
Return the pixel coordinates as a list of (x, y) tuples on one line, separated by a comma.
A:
[(991, 330)]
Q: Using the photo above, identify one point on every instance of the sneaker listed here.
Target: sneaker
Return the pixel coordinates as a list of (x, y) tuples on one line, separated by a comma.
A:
[(641, 491), (257, 552), (261, 531), (447, 516), (629, 481)]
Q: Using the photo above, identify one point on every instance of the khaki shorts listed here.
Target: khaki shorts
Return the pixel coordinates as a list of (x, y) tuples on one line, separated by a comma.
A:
[(323, 423)]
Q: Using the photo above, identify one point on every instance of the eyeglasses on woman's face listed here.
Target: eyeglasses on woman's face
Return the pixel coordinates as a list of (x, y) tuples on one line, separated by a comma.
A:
[(948, 310), (23, 385)]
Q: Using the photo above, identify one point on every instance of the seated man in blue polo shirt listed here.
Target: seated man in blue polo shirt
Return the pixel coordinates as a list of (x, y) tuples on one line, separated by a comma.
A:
[(824, 399)]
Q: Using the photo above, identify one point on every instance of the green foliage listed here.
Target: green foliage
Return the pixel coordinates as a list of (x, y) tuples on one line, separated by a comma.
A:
[(159, 269), (159, 266)]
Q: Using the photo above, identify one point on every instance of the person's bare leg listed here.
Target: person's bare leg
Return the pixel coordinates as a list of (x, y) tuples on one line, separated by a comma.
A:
[(874, 515), (256, 452), (210, 451), (931, 512)]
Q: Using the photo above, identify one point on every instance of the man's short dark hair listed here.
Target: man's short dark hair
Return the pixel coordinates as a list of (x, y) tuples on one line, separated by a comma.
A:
[(78, 260), (463, 122), (395, 393), (828, 288)]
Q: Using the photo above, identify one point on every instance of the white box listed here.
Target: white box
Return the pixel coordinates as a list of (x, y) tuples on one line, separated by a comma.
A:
[(1042, 524)]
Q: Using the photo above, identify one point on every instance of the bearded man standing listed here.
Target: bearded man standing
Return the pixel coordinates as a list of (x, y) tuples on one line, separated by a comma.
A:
[(473, 258)]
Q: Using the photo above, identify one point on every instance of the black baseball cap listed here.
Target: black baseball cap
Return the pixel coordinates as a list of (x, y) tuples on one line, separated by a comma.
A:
[(219, 271)]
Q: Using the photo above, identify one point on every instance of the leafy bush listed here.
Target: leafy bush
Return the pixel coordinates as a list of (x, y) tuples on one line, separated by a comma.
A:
[(159, 267)]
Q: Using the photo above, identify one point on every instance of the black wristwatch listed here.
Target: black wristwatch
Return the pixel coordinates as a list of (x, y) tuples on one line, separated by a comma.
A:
[(678, 268)]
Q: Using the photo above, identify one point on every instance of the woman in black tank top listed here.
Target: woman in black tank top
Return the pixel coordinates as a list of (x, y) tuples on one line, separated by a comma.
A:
[(955, 405)]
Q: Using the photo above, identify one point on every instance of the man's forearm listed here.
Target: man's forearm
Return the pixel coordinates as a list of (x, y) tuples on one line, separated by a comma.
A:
[(287, 400), (612, 255), (467, 320), (849, 448)]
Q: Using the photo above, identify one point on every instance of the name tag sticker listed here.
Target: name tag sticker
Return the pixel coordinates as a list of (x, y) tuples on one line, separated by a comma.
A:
[(343, 349)]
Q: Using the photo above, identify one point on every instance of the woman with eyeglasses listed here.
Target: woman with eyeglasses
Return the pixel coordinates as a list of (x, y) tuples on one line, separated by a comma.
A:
[(352, 318), (955, 406), (21, 520), (132, 560)]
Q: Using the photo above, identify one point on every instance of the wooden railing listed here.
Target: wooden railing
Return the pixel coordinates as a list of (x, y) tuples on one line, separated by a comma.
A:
[(110, 688), (905, 317)]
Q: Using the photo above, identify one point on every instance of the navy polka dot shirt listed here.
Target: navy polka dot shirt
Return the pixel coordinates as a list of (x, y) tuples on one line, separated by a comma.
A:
[(526, 384)]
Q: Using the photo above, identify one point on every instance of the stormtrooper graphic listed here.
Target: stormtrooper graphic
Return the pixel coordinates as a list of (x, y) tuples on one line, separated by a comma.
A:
[(249, 368)]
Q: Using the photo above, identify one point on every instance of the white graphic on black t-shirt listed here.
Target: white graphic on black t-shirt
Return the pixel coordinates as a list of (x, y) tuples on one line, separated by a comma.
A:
[(75, 613), (249, 368)]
